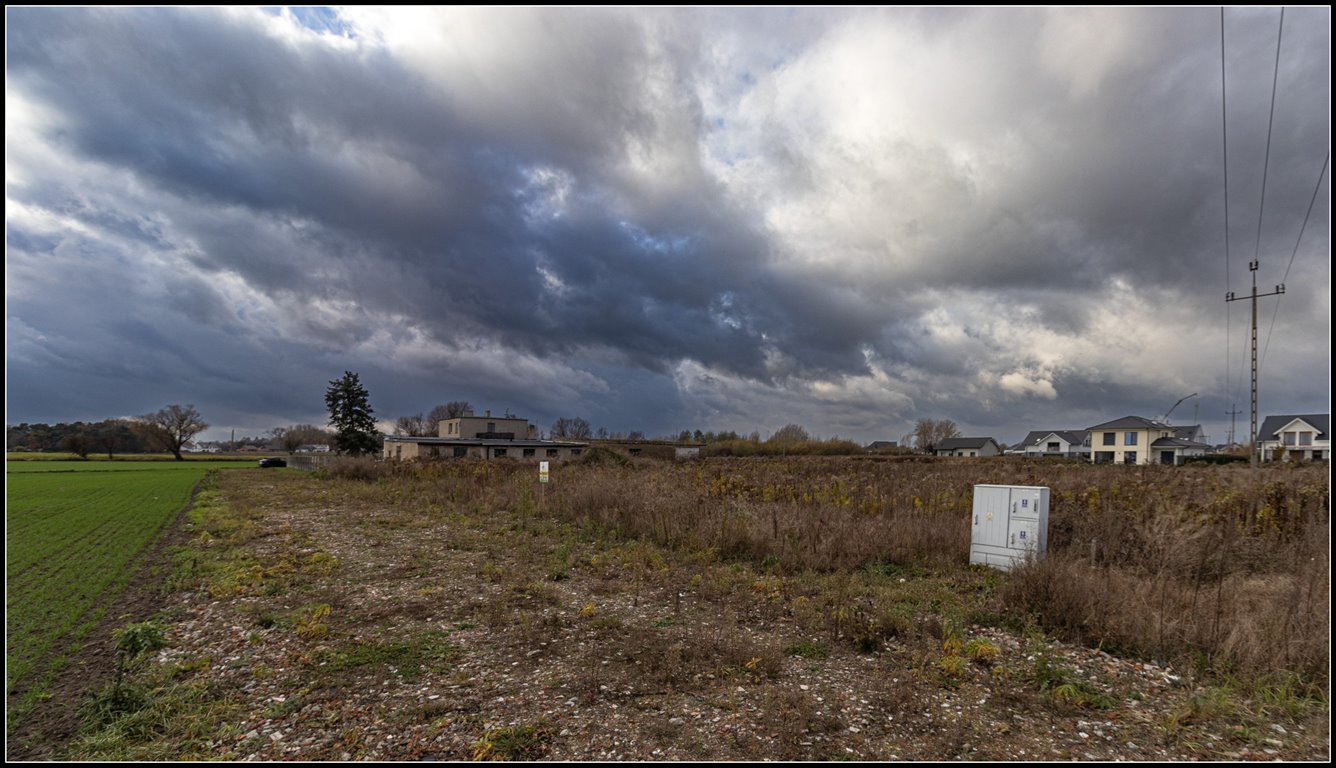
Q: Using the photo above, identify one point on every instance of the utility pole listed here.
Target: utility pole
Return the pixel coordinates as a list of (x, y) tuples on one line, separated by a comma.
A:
[(1280, 289), (1232, 414)]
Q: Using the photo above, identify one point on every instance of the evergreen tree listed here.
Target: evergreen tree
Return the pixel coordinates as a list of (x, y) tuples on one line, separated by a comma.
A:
[(350, 415)]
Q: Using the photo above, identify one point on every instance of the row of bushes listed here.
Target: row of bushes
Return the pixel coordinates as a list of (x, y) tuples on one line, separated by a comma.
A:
[(832, 447)]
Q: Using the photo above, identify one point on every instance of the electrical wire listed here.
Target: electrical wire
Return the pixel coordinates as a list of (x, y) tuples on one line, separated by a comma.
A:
[(1266, 163), (1321, 175), (1224, 135)]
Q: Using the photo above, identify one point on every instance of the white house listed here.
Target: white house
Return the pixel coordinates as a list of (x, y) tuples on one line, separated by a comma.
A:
[(1068, 443), (1303, 437)]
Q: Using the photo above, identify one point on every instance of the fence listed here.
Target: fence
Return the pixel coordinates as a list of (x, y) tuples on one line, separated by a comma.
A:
[(310, 462)]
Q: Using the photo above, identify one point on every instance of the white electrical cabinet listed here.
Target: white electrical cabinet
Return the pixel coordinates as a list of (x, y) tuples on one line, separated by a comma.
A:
[(1010, 523)]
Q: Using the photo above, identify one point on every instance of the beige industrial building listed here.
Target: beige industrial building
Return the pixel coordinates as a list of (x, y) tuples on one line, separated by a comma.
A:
[(482, 437)]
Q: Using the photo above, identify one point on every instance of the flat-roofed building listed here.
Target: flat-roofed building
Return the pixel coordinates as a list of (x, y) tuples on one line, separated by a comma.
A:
[(482, 437)]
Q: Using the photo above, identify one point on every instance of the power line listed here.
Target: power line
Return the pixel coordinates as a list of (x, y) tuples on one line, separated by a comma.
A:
[(1224, 135), (1316, 187), (1253, 265), (1232, 414), (1266, 163)]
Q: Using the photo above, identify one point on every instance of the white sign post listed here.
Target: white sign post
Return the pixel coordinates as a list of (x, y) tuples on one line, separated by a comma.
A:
[(542, 485)]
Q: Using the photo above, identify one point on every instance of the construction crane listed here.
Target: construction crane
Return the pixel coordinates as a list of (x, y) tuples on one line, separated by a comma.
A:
[(1165, 420)]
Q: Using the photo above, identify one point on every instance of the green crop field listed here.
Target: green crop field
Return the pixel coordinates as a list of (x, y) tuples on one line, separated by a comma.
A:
[(74, 533), (197, 468)]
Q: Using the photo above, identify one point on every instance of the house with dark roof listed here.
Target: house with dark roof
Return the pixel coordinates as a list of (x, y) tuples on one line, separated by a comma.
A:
[(1073, 443), (1304, 436), (968, 446), (1137, 440)]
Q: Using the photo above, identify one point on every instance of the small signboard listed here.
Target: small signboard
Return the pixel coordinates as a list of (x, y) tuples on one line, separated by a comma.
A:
[(542, 471)]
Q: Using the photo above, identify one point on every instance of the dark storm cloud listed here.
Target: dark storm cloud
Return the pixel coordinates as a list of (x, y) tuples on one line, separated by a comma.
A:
[(595, 198)]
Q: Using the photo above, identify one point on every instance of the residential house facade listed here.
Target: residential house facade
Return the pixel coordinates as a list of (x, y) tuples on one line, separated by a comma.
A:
[(1303, 437), (968, 446), (1137, 440), (1073, 443)]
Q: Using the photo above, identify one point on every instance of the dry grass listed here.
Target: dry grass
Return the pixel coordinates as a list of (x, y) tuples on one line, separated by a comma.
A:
[(1194, 565)]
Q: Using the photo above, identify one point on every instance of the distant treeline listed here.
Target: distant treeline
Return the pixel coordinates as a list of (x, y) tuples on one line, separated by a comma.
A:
[(111, 437), (116, 436)]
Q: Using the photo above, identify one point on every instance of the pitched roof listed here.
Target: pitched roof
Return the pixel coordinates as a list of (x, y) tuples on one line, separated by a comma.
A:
[(1187, 433), (1273, 424), (1177, 442), (1072, 436), (954, 443), (1130, 422)]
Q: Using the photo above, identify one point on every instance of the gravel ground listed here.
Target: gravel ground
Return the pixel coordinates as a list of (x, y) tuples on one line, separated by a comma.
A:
[(450, 638)]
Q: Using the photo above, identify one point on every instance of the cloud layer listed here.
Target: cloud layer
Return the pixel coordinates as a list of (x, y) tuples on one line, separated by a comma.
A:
[(662, 219)]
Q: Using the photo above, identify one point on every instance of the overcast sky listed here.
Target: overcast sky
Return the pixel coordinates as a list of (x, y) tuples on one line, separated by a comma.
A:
[(666, 219)]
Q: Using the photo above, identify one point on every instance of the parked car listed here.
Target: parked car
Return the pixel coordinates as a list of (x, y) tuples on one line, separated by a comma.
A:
[(273, 462)]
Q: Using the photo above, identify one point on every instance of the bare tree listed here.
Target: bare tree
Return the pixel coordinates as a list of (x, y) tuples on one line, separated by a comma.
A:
[(451, 410), (929, 433), (293, 437), (113, 436), (78, 443), (413, 426), (790, 433), (576, 428), (173, 427)]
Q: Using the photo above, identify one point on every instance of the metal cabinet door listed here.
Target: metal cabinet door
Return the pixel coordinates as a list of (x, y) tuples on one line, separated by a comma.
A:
[(991, 508), (1025, 502), (1023, 534)]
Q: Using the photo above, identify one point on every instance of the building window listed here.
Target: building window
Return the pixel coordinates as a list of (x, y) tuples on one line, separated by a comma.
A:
[(1129, 438), (1053, 448), (491, 426), (1129, 457), (1305, 438), (498, 452), (1110, 438), (552, 453), (461, 452)]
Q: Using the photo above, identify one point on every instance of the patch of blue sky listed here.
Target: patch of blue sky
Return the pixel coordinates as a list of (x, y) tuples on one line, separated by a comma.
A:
[(316, 18)]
